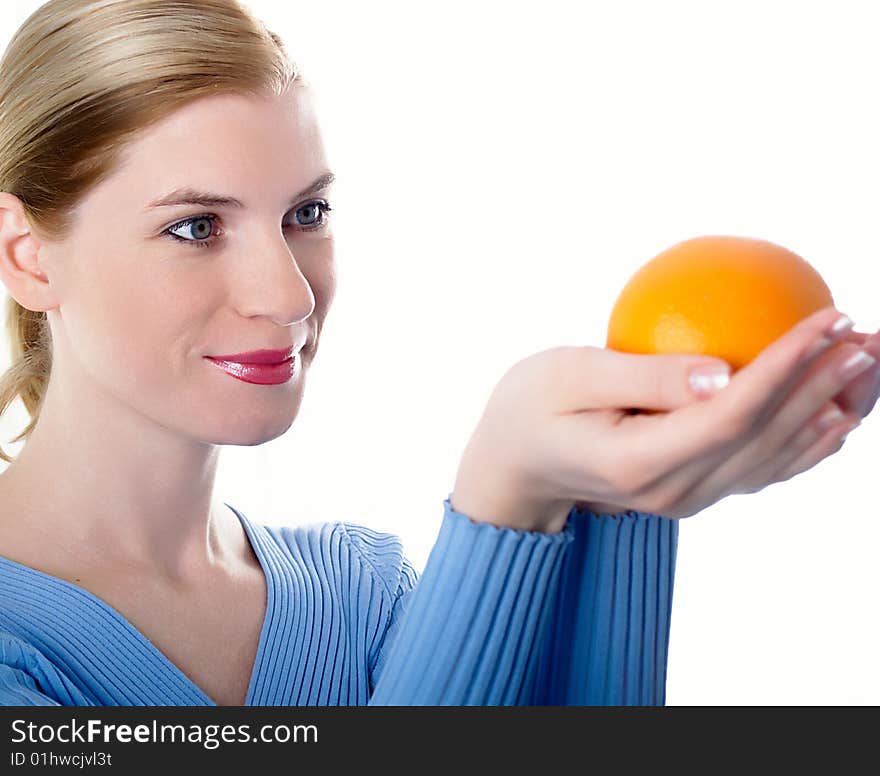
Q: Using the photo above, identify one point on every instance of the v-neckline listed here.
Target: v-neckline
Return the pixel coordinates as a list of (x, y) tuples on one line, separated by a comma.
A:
[(268, 571)]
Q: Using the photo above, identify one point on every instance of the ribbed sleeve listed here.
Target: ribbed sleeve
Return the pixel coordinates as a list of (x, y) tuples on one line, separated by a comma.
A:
[(475, 623), (612, 616)]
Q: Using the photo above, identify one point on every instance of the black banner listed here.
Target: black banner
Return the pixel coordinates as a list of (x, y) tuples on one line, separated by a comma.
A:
[(128, 739), (134, 740)]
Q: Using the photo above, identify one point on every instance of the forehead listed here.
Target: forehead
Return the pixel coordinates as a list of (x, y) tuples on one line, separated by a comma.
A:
[(227, 122), (243, 146)]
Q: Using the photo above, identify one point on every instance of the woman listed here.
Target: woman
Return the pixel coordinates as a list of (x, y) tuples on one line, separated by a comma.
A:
[(165, 210)]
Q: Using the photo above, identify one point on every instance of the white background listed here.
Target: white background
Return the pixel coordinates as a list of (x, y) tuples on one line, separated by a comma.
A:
[(504, 167)]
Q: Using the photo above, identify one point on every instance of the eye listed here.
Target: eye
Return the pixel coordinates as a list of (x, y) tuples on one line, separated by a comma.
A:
[(201, 226), (319, 209)]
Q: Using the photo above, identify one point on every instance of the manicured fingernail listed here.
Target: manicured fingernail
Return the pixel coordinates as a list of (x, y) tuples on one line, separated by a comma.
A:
[(830, 417), (709, 379), (841, 325), (856, 364)]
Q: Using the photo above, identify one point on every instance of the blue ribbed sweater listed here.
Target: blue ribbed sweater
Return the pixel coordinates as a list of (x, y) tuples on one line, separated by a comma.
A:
[(498, 617)]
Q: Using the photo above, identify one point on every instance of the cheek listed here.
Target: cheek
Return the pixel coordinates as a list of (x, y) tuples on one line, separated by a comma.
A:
[(324, 288), (133, 328), (320, 271)]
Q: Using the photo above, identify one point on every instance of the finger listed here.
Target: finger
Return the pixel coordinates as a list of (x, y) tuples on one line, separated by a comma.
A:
[(707, 428), (857, 337), (830, 419), (773, 441), (628, 380), (830, 442), (793, 429), (872, 399), (835, 372), (861, 394), (756, 391), (699, 435)]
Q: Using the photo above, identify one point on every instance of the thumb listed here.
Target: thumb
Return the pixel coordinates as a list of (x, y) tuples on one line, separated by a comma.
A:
[(616, 379)]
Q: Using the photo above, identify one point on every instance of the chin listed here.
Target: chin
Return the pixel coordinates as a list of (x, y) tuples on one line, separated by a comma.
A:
[(249, 437), (245, 428)]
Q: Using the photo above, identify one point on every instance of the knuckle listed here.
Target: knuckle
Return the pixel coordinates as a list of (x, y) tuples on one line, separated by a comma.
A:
[(558, 359), (543, 370)]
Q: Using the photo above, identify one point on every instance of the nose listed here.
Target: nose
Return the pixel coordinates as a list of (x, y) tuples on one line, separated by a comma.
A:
[(272, 283)]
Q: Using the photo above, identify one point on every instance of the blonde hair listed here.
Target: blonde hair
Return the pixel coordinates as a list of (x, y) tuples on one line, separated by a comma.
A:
[(79, 79)]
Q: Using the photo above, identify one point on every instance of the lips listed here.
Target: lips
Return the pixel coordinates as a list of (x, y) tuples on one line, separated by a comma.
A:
[(257, 356), (260, 374)]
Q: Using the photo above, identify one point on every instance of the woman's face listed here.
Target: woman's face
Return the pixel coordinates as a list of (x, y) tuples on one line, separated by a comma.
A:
[(139, 310)]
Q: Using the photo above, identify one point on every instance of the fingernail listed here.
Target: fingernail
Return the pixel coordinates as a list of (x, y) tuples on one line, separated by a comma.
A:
[(841, 325), (708, 379), (856, 364), (831, 417)]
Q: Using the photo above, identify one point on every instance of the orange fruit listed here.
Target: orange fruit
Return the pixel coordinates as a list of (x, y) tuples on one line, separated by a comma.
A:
[(722, 296)]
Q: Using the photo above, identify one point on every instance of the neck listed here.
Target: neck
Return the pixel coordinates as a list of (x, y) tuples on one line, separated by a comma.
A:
[(115, 487)]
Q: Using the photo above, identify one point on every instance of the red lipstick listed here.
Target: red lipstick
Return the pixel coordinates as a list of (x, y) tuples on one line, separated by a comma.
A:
[(260, 367)]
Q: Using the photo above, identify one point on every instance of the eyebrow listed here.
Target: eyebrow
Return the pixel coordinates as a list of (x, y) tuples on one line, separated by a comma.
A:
[(189, 196)]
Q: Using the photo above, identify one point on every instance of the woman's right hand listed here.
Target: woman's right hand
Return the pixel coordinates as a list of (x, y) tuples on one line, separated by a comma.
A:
[(558, 431)]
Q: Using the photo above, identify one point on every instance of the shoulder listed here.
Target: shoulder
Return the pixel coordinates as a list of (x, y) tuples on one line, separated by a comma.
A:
[(377, 553), (383, 554), (330, 544)]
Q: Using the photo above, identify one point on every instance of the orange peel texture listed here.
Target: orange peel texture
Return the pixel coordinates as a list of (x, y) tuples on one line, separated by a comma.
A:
[(722, 296)]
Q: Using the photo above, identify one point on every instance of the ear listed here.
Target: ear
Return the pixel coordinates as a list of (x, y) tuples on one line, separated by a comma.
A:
[(20, 268)]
